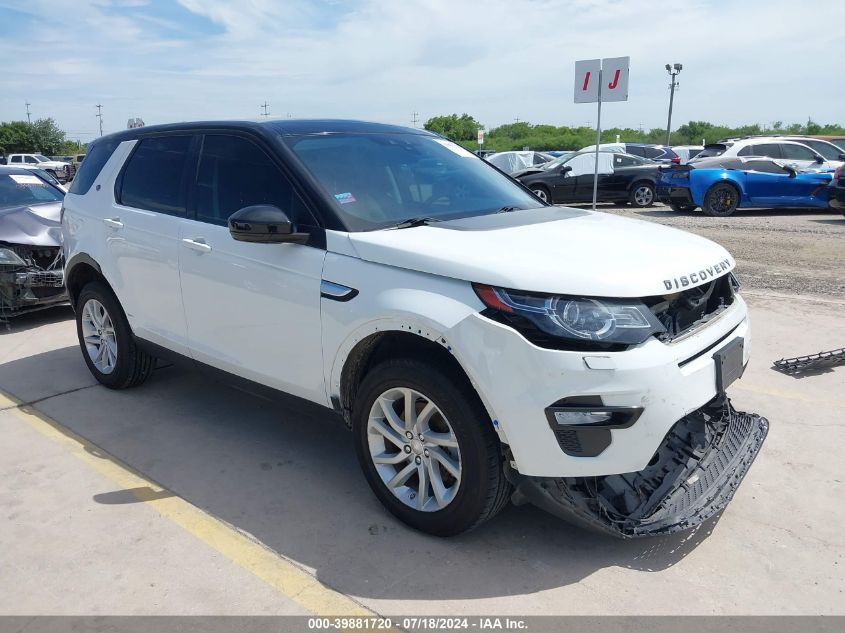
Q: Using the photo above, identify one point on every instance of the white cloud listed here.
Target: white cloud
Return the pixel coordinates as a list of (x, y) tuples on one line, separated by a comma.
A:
[(382, 60)]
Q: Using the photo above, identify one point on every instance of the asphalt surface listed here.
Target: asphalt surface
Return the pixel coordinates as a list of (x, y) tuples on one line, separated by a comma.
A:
[(790, 251), (185, 496)]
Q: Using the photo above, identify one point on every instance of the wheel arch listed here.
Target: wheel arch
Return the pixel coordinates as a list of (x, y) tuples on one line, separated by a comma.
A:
[(394, 339), (80, 270)]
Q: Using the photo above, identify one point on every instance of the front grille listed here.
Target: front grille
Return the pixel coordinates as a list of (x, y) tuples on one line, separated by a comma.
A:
[(44, 257), (683, 312), (50, 278)]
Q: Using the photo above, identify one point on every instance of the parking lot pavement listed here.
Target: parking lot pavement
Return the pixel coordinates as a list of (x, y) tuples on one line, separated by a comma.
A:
[(85, 538)]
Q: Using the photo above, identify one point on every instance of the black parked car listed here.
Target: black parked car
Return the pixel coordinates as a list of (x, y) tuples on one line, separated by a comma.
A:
[(622, 178)]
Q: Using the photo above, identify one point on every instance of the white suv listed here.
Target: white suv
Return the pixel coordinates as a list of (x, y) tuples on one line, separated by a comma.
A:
[(793, 153), (481, 345)]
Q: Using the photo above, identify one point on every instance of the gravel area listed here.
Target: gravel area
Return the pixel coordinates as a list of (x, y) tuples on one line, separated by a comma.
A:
[(790, 251)]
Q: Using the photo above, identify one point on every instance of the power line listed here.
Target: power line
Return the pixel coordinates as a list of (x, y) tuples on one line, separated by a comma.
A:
[(415, 118), (28, 120), (265, 106), (99, 115)]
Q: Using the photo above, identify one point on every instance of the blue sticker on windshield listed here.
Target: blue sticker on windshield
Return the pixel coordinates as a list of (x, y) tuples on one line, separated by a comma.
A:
[(345, 198)]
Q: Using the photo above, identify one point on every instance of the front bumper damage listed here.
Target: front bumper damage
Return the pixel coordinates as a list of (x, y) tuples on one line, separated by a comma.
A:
[(38, 284), (692, 476)]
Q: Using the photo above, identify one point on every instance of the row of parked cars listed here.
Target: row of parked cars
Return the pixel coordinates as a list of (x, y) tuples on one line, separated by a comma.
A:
[(768, 172), (62, 168)]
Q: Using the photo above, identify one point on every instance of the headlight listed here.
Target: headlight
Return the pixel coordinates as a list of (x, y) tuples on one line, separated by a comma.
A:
[(592, 323), (8, 257)]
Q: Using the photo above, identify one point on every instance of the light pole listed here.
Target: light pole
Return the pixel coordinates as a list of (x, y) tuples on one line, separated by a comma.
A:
[(673, 70)]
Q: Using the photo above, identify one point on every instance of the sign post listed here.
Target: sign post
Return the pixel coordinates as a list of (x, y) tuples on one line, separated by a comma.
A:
[(590, 88), (480, 138)]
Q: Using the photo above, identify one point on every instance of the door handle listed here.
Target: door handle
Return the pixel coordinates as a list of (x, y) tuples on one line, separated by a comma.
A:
[(197, 245), (113, 223)]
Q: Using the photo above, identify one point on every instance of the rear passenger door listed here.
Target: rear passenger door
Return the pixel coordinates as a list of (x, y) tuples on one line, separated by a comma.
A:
[(142, 238), (252, 309)]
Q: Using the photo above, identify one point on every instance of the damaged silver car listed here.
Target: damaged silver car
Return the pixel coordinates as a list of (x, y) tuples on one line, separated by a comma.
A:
[(31, 260)]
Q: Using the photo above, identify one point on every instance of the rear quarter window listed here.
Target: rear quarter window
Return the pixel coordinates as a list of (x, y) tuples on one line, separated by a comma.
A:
[(98, 156)]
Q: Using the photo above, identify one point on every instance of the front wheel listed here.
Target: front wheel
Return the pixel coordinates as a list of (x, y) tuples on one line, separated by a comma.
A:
[(642, 195), (106, 339), (542, 193), (721, 200), (427, 447)]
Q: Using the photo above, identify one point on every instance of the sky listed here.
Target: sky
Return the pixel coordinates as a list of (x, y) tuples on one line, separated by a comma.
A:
[(755, 61)]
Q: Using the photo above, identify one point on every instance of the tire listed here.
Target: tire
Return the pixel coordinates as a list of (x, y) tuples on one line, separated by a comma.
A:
[(721, 200), (542, 192), (479, 491), (682, 208), (106, 340), (642, 195)]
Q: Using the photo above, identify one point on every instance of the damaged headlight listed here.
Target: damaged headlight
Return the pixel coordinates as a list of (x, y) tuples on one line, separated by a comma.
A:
[(8, 257), (578, 319)]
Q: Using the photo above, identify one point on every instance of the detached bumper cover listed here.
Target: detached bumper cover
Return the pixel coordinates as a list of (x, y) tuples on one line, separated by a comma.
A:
[(693, 476)]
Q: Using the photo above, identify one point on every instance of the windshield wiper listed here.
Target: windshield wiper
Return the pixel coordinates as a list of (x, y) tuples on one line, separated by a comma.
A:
[(412, 222)]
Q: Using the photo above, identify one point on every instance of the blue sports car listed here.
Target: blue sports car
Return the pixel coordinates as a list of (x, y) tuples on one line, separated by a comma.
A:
[(722, 187)]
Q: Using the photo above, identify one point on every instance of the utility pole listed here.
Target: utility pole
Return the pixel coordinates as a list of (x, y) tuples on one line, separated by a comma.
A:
[(516, 120), (415, 118), (673, 70), (265, 106), (28, 120), (99, 115)]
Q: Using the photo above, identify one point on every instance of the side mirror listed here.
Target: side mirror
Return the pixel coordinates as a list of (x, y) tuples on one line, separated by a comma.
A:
[(791, 171), (565, 169), (819, 159), (264, 224), (842, 157)]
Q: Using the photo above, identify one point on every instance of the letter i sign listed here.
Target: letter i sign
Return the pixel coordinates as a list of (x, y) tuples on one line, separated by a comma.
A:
[(611, 71)]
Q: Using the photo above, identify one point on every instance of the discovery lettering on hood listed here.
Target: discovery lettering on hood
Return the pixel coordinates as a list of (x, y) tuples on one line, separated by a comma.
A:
[(697, 277)]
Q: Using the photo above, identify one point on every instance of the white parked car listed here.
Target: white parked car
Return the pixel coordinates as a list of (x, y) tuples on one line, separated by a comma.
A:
[(687, 152), (794, 154), (481, 345), (510, 162), (60, 170)]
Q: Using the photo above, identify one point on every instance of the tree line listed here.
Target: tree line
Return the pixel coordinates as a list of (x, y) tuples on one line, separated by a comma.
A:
[(464, 128), (39, 137)]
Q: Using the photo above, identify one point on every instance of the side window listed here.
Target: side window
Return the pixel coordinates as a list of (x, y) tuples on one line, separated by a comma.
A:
[(772, 150), (87, 173), (17, 159), (234, 173), (652, 152), (635, 150), (797, 152), (153, 176), (30, 159), (620, 160), (746, 151)]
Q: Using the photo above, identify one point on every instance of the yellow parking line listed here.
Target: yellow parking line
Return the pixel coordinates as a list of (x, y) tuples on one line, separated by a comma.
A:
[(277, 571)]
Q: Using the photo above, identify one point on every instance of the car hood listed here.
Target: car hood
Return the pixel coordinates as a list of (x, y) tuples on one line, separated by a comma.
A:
[(37, 225), (527, 172), (555, 250)]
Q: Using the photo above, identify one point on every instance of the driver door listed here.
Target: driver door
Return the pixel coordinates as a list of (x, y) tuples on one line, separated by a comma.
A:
[(251, 309)]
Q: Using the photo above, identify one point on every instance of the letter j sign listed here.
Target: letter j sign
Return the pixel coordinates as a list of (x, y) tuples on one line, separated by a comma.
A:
[(606, 78)]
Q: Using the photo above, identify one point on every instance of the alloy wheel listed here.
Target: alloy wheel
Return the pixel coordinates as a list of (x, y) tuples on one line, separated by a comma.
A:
[(99, 336), (414, 449), (644, 196)]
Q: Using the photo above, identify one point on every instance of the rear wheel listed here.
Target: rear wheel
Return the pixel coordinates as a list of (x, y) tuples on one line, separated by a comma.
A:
[(427, 448), (642, 195), (106, 339), (721, 200), (542, 192)]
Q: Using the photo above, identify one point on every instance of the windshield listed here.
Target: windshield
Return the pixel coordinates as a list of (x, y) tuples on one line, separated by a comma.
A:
[(379, 180), (19, 190), (41, 158), (557, 162)]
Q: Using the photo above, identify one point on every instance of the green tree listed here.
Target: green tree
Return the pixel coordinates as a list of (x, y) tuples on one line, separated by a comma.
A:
[(452, 126), (47, 138), (15, 136)]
